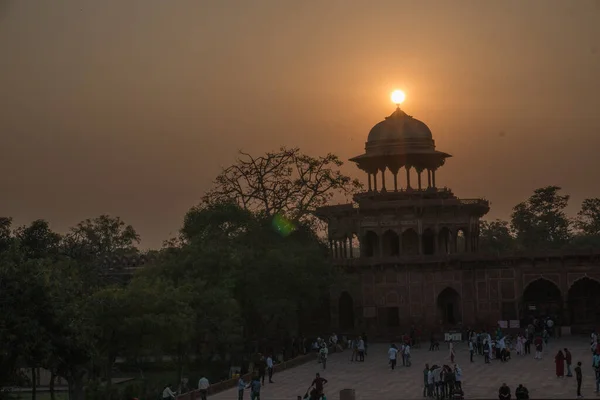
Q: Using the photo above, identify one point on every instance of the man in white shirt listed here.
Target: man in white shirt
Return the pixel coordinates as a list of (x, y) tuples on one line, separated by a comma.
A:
[(203, 386), (168, 394), (392, 354), (361, 349), (323, 353), (270, 368), (407, 361)]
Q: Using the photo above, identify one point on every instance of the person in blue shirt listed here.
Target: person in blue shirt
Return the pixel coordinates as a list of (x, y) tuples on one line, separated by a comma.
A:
[(241, 386), (255, 389)]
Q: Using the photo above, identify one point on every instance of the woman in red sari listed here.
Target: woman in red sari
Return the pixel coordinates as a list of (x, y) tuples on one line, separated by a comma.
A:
[(560, 364)]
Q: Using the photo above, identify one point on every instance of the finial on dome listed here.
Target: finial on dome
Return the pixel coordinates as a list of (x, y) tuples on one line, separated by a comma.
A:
[(398, 97)]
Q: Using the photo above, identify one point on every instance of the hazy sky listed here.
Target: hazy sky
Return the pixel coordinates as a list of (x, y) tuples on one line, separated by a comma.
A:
[(131, 107)]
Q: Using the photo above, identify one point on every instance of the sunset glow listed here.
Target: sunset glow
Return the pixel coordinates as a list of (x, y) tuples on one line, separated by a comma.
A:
[(398, 97)]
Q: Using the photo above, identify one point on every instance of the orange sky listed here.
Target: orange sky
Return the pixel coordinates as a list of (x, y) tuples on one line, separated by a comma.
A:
[(132, 107)]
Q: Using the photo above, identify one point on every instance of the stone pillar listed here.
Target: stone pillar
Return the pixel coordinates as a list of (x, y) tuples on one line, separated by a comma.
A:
[(419, 170), (375, 181), (345, 247), (407, 176), (350, 253), (468, 242), (369, 175), (400, 243), (428, 178), (383, 189), (433, 178)]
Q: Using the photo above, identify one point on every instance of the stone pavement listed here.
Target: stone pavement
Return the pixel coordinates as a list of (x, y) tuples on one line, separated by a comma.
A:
[(373, 379)]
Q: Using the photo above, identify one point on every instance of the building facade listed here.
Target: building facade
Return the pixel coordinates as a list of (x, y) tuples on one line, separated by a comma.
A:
[(418, 261)]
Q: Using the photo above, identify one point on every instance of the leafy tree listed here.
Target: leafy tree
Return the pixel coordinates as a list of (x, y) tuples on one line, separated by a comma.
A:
[(23, 318), (541, 221), (588, 218), (5, 233), (145, 313), (101, 236), (38, 241), (274, 278), (495, 237), (286, 182), (95, 243)]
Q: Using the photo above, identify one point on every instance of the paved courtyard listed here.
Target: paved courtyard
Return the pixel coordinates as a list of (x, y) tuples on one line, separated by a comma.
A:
[(373, 379)]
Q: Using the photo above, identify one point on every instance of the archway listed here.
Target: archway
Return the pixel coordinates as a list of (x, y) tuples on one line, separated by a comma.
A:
[(584, 304), (428, 239), (346, 311), (542, 298), (371, 244), (444, 241), (390, 243), (410, 242), (449, 307)]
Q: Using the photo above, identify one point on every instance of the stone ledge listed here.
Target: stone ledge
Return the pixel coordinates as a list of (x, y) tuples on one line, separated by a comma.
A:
[(231, 383)]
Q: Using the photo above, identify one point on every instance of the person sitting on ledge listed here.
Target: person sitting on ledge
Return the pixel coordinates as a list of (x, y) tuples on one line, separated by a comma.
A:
[(522, 393), (504, 392)]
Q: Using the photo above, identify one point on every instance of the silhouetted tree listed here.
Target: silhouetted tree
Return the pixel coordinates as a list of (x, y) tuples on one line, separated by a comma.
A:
[(286, 182), (496, 237), (541, 221)]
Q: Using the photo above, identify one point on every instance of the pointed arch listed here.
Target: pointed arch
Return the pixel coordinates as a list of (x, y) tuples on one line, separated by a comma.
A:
[(449, 306), (371, 242), (390, 243), (428, 242), (444, 241), (410, 242), (542, 297), (584, 304)]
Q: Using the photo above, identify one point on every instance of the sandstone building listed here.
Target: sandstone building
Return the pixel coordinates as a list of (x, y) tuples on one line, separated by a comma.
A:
[(419, 262)]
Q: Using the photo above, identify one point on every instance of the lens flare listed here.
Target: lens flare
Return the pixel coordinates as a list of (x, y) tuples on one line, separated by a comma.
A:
[(282, 225)]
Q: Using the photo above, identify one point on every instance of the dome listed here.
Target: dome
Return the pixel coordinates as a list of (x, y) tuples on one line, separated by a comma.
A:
[(399, 126)]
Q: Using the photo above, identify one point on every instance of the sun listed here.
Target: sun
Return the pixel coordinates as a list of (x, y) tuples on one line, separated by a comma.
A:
[(398, 97)]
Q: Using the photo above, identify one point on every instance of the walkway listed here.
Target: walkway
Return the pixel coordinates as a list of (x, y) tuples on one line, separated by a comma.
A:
[(374, 380)]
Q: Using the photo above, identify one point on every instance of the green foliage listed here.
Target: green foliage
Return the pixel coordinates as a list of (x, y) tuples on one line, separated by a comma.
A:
[(496, 237), (541, 221), (588, 218)]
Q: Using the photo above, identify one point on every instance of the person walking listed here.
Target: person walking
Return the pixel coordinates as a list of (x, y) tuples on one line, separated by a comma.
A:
[(559, 359), (392, 355), (568, 360), (407, 356), (203, 385), (255, 386), (471, 349), (578, 376), (426, 374), (270, 368), (324, 353)]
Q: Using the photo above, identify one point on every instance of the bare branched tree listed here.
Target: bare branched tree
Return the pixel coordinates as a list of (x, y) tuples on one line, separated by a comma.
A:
[(286, 182)]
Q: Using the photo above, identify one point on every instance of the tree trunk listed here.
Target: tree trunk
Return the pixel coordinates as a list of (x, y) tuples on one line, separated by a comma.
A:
[(109, 365), (76, 391), (51, 386), (33, 383)]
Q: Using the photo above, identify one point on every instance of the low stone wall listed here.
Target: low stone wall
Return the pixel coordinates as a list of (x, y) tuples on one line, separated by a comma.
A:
[(231, 383)]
